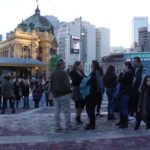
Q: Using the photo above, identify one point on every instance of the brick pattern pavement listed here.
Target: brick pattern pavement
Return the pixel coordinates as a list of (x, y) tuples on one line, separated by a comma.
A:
[(33, 129), (138, 143)]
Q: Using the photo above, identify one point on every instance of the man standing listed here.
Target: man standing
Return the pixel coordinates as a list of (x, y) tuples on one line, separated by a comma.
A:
[(7, 93), (136, 84), (60, 87)]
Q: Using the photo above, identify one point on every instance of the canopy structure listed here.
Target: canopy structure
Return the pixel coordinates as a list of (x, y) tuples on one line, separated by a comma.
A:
[(25, 62)]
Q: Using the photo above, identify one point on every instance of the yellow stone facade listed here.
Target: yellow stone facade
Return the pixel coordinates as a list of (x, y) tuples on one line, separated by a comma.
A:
[(35, 45)]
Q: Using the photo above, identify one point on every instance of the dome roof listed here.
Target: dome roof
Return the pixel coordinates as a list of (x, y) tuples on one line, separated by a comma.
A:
[(36, 22)]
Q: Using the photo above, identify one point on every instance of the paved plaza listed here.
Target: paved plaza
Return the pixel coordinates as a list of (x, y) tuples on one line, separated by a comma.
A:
[(33, 129)]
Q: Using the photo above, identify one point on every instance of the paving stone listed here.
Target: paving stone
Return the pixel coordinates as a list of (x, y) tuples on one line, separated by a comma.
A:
[(33, 129)]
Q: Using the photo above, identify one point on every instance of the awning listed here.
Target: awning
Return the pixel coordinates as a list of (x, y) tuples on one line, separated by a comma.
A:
[(11, 61)]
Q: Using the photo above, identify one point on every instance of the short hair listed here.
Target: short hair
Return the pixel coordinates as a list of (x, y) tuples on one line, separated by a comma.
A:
[(137, 59), (60, 62)]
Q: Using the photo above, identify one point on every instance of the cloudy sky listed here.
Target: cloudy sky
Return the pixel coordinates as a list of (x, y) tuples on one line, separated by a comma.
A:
[(116, 15)]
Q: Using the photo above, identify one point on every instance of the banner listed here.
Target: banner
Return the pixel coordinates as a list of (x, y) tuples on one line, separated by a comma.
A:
[(75, 44)]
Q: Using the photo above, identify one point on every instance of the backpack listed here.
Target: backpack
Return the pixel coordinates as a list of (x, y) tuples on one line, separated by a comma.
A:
[(84, 88)]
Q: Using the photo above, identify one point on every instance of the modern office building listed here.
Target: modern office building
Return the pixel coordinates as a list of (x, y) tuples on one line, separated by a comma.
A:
[(88, 38), (102, 43), (69, 41), (143, 38), (137, 23)]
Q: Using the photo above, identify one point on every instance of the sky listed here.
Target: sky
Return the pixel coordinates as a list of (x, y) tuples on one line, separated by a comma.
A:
[(116, 15)]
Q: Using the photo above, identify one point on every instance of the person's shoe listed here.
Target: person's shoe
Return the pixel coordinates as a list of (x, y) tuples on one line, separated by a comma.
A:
[(13, 111), (71, 128), (59, 129), (111, 117), (137, 126), (124, 125), (89, 128), (98, 114), (78, 120), (87, 124), (101, 115), (118, 124)]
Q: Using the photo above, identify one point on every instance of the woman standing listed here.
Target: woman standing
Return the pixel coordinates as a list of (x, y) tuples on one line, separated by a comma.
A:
[(144, 104), (48, 99), (125, 81), (37, 94), (110, 81), (17, 92), (76, 76), (94, 96), (25, 94)]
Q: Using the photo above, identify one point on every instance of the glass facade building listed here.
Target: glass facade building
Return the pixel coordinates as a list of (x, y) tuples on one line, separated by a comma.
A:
[(137, 23)]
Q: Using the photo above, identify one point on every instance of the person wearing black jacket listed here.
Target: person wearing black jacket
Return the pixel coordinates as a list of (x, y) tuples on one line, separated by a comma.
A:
[(125, 81), (94, 96), (136, 85), (60, 88), (76, 76)]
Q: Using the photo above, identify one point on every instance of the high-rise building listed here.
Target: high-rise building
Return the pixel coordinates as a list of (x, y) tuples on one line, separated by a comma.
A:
[(143, 38), (102, 42), (137, 23), (69, 41), (88, 42)]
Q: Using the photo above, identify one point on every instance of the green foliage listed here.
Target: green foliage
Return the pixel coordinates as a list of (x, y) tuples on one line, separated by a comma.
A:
[(52, 64)]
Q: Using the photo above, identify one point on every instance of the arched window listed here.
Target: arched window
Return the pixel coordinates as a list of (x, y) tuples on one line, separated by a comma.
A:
[(25, 52)]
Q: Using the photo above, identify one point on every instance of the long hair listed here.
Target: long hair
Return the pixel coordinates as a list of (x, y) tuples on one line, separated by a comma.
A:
[(144, 85), (129, 65), (109, 72), (96, 66), (77, 63)]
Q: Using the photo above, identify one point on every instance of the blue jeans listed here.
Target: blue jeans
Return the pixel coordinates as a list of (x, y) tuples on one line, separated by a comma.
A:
[(110, 92), (26, 101), (124, 105)]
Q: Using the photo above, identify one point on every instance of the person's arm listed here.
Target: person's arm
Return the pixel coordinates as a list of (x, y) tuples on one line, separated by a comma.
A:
[(92, 79), (66, 81)]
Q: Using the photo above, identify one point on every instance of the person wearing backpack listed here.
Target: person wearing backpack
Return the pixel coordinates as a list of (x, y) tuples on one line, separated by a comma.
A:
[(93, 97), (76, 76)]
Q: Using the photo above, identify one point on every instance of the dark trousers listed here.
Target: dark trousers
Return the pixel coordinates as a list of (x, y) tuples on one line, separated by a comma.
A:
[(90, 109), (36, 103), (133, 102), (5, 104), (99, 103), (49, 102), (124, 105), (139, 119)]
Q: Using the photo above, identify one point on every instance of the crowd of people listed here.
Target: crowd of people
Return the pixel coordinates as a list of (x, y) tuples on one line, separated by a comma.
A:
[(128, 92), (17, 92)]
